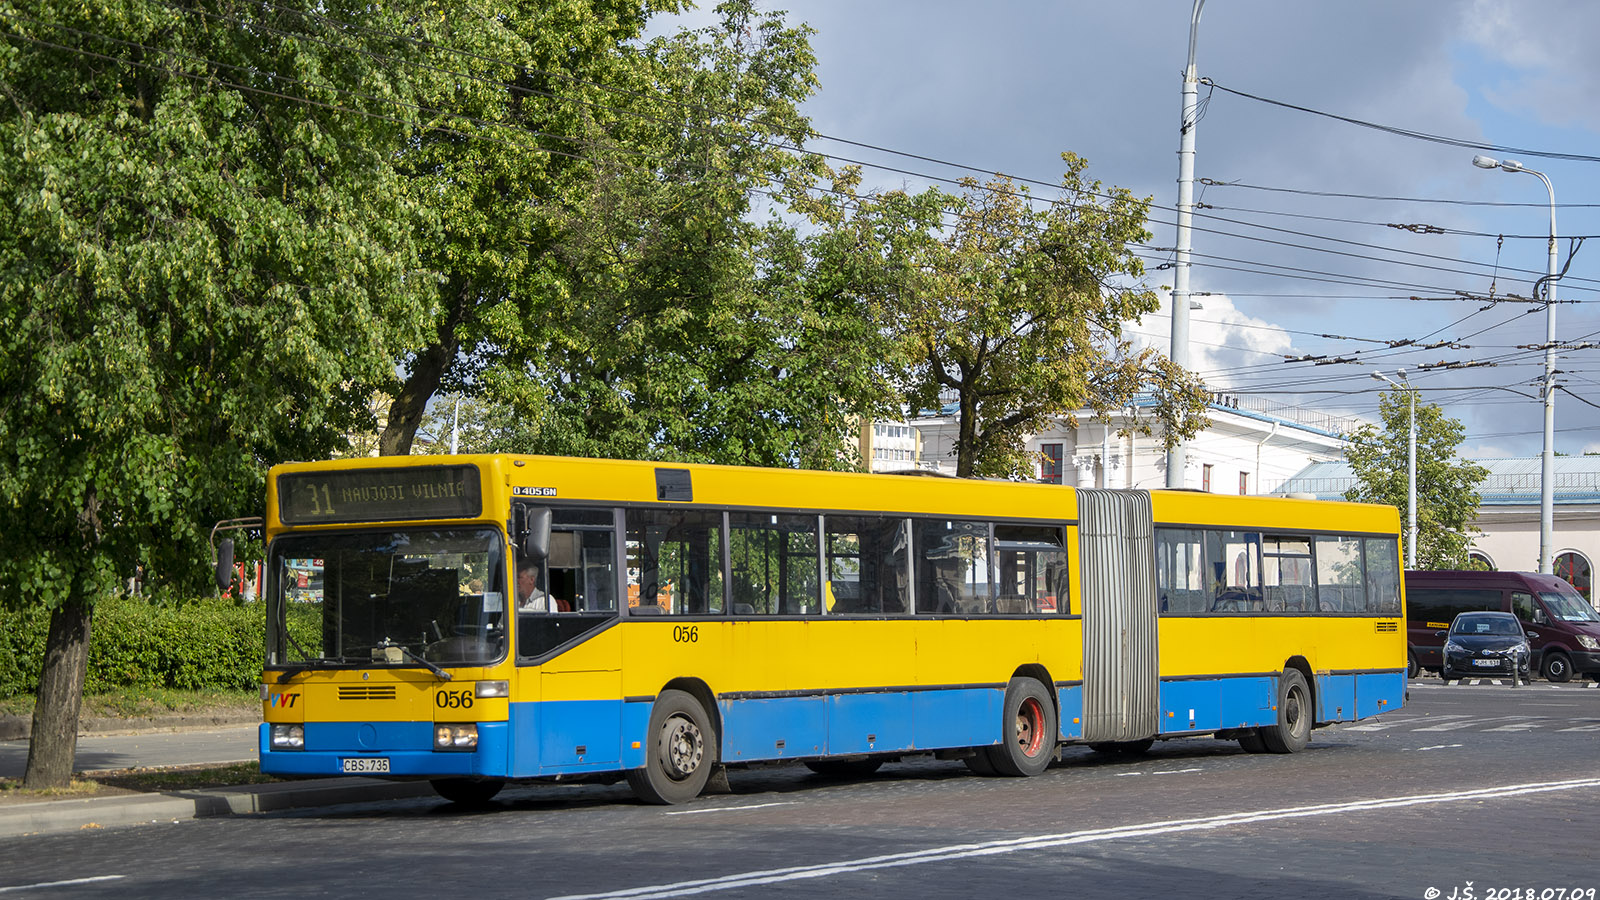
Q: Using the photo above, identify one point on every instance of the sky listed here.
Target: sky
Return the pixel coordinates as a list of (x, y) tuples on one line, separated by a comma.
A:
[(1296, 255)]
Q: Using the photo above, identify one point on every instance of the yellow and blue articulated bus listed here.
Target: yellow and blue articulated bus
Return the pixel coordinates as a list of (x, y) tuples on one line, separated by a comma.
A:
[(478, 620)]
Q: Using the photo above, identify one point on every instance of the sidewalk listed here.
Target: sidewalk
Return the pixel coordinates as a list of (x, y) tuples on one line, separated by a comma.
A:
[(175, 741)]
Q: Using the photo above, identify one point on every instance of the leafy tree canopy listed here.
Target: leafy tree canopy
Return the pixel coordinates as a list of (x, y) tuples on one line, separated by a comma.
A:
[(203, 247), (1447, 487), (1012, 308)]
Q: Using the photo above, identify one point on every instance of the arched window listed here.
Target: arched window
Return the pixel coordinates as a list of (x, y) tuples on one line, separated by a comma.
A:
[(1479, 561), (1574, 568)]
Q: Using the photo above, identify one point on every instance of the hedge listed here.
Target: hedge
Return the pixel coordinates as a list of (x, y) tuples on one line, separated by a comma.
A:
[(214, 643)]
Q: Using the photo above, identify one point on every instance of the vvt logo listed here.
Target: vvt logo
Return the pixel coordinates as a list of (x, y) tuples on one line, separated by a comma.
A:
[(283, 701)]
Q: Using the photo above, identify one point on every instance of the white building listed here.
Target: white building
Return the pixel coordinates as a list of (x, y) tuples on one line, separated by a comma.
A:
[(1250, 448)]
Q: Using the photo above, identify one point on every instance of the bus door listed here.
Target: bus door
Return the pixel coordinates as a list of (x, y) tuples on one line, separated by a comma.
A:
[(567, 661), (1121, 679)]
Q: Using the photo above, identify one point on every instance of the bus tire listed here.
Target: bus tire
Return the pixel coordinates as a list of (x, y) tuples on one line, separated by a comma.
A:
[(979, 763), (844, 768), (1250, 741), (1293, 730), (680, 751), (1557, 667), (467, 791), (1411, 665), (1028, 731)]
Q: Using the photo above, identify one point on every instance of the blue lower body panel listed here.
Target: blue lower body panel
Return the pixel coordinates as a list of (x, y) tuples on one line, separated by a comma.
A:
[(768, 728), (1210, 704), (1379, 692), (407, 745)]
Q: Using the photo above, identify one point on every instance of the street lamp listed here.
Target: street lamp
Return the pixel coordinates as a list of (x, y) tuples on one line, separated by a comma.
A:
[(1411, 466), (1547, 458)]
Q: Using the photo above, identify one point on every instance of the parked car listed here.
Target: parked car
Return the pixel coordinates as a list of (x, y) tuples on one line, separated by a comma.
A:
[(1485, 643), (1563, 629)]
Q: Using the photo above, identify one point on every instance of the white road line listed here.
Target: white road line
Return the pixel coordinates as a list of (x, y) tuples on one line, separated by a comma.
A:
[(1441, 747), (1521, 726), (1583, 728), (1457, 726), (51, 884), (764, 877), (1379, 726), (717, 809)]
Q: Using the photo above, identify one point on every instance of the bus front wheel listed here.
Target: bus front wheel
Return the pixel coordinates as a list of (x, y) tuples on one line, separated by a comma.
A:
[(1293, 730), (1028, 731), (681, 751)]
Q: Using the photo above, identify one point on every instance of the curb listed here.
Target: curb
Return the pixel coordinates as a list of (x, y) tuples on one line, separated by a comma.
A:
[(62, 816)]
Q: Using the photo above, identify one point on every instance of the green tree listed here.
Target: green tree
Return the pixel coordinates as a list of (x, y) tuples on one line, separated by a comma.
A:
[(204, 254), (1014, 310), (620, 294), (1447, 487)]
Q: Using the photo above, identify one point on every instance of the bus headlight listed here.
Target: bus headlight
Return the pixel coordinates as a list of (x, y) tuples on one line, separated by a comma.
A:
[(455, 737), (288, 737), (1588, 643), (492, 689)]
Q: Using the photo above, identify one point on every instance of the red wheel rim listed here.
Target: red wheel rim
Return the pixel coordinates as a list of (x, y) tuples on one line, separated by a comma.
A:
[(1030, 727)]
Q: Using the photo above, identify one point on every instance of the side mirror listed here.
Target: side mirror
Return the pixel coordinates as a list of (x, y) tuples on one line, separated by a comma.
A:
[(1441, 634), (536, 538), (1533, 635), (224, 565)]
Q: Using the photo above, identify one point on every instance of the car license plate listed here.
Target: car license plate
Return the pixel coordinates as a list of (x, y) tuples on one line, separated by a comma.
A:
[(1486, 663), (366, 765)]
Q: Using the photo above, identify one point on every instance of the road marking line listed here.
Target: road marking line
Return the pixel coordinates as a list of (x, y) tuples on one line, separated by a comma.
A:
[(691, 812), (1440, 747), (1044, 842), (51, 884), (1457, 726), (1521, 726)]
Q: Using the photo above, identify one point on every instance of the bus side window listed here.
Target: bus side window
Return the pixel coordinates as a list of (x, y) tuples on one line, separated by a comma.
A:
[(867, 564), (675, 561), (773, 564)]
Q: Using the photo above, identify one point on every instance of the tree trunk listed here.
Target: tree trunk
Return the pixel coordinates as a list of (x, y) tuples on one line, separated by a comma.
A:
[(422, 382), (54, 743)]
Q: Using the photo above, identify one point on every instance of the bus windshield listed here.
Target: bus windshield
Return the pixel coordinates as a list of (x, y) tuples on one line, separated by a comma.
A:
[(1568, 607), (429, 598)]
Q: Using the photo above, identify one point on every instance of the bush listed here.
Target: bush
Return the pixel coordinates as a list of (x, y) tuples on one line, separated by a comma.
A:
[(215, 643)]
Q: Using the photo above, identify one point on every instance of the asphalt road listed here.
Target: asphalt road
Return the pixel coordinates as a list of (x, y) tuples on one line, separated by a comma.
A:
[(100, 752), (1487, 786)]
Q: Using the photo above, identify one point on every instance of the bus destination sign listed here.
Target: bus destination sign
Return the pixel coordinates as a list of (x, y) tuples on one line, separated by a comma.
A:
[(379, 495)]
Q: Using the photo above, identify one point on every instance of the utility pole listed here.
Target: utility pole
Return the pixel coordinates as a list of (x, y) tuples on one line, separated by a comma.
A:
[(1177, 456)]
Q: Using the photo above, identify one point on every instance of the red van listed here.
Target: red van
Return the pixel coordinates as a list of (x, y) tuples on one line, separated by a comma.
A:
[(1563, 629)]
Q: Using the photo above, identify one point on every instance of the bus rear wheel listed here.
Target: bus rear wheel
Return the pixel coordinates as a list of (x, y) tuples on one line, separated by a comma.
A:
[(680, 751), (1028, 731), (1250, 741), (467, 791), (1293, 730)]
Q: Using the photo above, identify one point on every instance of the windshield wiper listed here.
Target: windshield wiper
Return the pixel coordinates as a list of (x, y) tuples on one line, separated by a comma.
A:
[(417, 659)]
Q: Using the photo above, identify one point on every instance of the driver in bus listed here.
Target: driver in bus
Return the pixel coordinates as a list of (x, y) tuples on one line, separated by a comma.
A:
[(530, 598)]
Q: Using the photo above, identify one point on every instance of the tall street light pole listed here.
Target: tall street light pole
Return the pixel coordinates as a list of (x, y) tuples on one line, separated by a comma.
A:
[(1176, 457), (1547, 458), (1411, 466)]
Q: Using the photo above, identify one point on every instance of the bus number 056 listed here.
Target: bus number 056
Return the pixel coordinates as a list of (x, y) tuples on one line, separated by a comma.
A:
[(686, 634), (453, 699)]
